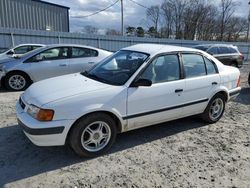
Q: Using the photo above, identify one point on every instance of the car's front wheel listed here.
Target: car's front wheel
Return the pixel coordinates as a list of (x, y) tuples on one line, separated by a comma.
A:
[(17, 81), (93, 135), (215, 109)]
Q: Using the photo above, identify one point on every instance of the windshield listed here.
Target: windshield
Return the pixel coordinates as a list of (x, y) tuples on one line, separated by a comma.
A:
[(118, 68)]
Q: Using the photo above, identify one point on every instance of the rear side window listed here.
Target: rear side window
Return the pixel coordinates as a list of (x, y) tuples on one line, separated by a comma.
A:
[(224, 50), (232, 50), (210, 66), (83, 52), (194, 65), (213, 50)]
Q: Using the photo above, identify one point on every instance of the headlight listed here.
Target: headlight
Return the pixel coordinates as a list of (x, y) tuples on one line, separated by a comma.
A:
[(40, 114)]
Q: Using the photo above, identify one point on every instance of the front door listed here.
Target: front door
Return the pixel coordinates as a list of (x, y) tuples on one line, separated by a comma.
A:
[(49, 63), (162, 100)]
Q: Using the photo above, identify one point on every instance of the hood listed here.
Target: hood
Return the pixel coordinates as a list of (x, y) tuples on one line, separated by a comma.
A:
[(6, 59), (53, 89)]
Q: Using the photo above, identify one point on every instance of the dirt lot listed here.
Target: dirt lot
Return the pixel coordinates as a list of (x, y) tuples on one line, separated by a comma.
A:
[(183, 153)]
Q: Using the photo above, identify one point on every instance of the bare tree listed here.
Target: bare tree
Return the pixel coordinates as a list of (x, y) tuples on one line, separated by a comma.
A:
[(112, 32), (178, 7), (168, 18), (89, 29), (235, 26), (227, 8), (153, 14)]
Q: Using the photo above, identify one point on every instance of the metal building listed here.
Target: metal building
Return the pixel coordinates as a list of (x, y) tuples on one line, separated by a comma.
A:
[(34, 15)]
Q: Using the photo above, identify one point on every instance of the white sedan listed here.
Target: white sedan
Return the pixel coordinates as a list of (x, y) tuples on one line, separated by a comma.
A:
[(138, 86)]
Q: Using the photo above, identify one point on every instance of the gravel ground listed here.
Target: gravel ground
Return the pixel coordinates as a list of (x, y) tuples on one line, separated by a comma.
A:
[(182, 153)]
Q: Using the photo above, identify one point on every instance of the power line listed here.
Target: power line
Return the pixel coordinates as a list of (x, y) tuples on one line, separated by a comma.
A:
[(97, 12), (139, 4)]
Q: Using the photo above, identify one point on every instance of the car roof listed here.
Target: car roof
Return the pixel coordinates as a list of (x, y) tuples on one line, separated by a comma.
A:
[(29, 44), (218, 45), (158, 48), (70, 45)]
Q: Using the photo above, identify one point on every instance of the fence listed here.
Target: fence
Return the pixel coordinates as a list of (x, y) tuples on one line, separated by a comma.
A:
[(12, 37)]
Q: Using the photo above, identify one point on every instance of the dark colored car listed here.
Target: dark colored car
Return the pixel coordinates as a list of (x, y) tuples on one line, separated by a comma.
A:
[(227, 54)]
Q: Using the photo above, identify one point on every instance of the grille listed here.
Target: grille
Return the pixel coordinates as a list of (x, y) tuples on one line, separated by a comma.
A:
[(21, 103)]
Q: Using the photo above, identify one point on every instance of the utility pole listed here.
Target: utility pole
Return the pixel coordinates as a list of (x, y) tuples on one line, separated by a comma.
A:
[(122, 24), (248, 23)]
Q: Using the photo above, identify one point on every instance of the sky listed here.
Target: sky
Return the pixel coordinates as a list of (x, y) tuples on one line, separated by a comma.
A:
[(134, 15)]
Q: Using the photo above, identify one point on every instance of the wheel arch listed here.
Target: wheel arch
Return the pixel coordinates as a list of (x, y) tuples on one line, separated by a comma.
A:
[(112, 115), (18, 71)]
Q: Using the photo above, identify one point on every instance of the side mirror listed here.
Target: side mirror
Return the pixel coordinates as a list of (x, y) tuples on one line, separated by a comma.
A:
[(141, 82)]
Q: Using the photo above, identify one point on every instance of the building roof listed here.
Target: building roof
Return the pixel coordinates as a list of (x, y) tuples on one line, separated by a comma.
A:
[(51, 4)]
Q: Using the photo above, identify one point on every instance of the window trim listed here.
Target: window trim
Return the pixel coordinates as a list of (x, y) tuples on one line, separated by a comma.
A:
[(203, 56), (71, 52), (155, 57), (28, 60)]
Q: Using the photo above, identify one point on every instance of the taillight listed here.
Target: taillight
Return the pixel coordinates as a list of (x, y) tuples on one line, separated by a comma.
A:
[(238, 82), (242, 57)]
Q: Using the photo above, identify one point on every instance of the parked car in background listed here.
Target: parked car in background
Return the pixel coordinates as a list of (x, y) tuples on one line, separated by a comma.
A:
[(48, 61), (19, 50), (138, 86), (227, 54), (249, 79)]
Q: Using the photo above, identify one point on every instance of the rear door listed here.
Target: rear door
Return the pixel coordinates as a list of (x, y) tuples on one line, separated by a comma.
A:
[(201, 82), (224, 55), (49, 63), (82, 59)]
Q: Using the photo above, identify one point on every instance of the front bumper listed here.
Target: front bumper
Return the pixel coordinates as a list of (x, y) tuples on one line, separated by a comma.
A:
[(52, 133)]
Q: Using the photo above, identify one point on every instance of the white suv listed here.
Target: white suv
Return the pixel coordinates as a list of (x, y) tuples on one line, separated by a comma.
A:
[(136, 87)]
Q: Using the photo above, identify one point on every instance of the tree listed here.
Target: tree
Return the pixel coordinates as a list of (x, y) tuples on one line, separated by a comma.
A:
[(140, 32), (178, 7), (168, 18), (152, 31), (153, 14), (227, 8), (112, 32), (131, 31), (89, 29)]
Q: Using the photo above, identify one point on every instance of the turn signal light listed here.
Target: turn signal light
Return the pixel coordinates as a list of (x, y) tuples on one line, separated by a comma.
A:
[(45, 115)]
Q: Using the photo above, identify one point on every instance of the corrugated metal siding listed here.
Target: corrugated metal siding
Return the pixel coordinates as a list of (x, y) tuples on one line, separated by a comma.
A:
[(34, 15), (112, 43)]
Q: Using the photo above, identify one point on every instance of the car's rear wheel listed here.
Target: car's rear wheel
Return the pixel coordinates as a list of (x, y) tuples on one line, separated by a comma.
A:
[(93, 135), (215, 109), (17, 81)]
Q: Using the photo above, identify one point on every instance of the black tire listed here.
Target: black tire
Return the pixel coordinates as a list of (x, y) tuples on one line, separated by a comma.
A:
[(234, 64), (24, 85), (80, 129), (207, 116)]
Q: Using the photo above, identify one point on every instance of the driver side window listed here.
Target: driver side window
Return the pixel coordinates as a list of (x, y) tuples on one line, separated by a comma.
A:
[(51, 54), (163, 69)]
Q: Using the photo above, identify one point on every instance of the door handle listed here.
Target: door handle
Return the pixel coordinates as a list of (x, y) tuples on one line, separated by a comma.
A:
[(91, 62), (178, 90), (63, 65), (214, 83)]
